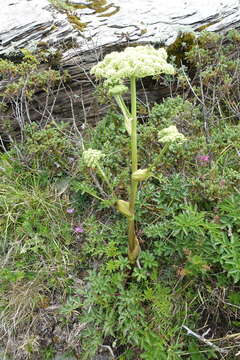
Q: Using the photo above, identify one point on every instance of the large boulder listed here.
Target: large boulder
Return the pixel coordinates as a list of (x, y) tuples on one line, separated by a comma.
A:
[(88, 29), (26, 21)]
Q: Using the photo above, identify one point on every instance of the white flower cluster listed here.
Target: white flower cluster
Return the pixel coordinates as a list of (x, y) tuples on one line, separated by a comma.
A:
[(170, 134), (91, 157), (139, 61)]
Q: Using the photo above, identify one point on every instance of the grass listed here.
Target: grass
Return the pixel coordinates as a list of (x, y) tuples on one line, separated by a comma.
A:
[(68, 291)]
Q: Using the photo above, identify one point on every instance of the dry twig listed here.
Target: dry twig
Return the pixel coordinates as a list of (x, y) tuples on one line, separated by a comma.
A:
[(205, 341)]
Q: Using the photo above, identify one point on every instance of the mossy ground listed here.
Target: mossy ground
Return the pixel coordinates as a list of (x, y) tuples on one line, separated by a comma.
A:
[(65, 283)]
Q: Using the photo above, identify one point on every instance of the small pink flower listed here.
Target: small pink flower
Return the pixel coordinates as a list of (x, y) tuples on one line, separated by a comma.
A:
[(70, 211), (78, 229), (203, 158)]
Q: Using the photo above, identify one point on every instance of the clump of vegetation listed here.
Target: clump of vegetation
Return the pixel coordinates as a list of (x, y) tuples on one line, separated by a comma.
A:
[(22, 80), (25, 77), (66, 282), (182, 45), (37, 239)]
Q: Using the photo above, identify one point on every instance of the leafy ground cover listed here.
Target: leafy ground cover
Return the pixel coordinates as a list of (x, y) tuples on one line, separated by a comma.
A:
[(66, 284)]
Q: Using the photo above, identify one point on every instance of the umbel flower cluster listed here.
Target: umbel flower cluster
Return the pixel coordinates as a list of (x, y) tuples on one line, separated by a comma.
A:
[(138, 62), (170, 134), (91, 157)]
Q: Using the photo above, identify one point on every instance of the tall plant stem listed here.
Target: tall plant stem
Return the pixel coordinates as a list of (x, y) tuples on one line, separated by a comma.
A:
[(133, 244)]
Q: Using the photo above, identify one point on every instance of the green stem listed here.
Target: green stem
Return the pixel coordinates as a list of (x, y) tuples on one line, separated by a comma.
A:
[(163, 151), (122, 105), (133, 245), (95, 196), (125, 111), (104, 176), (134, 123)]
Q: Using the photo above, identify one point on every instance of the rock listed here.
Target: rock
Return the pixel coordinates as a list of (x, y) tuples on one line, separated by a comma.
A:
[(112, 26), (26, 21)]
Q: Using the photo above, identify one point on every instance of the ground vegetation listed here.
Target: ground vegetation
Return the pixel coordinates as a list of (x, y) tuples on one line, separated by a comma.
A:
[(66, 282)]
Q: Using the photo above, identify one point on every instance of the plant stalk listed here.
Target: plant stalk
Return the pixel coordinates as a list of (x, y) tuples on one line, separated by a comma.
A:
[(104, 176), (133, 244)]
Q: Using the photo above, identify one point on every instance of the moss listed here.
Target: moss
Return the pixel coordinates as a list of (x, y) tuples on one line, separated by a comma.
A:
[(70, 9), (181, 45), (205, 26), (42, 44), (185, 42), (76, 22), (110, 13)]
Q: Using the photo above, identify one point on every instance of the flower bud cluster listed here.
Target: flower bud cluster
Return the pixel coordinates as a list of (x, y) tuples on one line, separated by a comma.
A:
[(91, 157), (117, 90), (170, 134), (115, 87)]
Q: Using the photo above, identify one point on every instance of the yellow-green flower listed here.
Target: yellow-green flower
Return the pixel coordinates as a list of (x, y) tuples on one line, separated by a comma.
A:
[(91, 157), (115, 87), (170, 134), (117, 90), (138, 62)]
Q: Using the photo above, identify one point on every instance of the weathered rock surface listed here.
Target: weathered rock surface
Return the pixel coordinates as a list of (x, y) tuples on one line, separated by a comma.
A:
[(113, 26), (25, 21)]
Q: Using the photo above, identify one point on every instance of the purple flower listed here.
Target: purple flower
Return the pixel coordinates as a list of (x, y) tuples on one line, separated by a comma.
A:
[(78, 229), (70, 211), (203, 158)]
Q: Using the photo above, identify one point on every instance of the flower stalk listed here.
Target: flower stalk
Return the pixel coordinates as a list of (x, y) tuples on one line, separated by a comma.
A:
[(103, 175), (92, 158), (133, 244), (133, 63)]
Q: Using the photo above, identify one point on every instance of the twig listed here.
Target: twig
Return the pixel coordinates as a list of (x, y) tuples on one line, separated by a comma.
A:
[(138, 264), (96, 182), (190, 85), (207, 342), (2, 144), (109, 349)]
